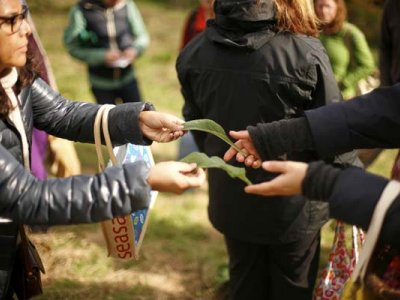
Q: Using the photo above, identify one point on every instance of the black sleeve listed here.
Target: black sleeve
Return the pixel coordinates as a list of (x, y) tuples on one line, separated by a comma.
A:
[(277, 138), (352, 195), (79, 199), (75, 120), (368, 121)]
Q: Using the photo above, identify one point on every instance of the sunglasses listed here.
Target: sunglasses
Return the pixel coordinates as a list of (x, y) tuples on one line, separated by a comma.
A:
[(14, 22)]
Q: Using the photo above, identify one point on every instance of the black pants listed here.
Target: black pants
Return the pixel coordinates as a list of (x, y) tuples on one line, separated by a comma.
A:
[(273, 272), (127, 93)]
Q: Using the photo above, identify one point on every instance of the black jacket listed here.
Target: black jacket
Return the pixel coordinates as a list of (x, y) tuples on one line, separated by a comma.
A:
[(389, 55), (78, 199), (239, 72), (368, 121)]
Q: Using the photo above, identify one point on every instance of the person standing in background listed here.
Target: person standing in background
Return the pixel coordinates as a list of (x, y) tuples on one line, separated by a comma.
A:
[(196, 21), (389, 55), (346, 46), (259, 61), (108, 35)]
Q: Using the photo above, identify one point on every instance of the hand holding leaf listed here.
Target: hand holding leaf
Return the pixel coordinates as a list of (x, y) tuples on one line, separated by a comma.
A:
[(214, 128)]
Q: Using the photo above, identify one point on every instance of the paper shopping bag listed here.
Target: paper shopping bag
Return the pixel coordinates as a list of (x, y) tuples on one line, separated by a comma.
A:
[(124, 235)]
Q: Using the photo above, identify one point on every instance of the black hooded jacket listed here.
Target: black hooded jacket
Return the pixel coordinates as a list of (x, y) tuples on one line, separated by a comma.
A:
[(242, 71)]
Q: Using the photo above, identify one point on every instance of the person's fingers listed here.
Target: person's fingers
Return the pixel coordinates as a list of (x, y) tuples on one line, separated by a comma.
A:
[(177, 134), (197, 179), (240, 157), (264, 189), (230, 154), (242, 134), (275, 166), (249, 160), (257, 164), (185, 167)]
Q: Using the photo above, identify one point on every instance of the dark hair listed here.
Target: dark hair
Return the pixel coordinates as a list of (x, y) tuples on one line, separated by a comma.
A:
[(26, 75), (337, 23)]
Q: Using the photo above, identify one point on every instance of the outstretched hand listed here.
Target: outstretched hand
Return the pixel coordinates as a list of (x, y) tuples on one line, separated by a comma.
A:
[(175, 177), (287, 184), (160, 127), (245, 143)]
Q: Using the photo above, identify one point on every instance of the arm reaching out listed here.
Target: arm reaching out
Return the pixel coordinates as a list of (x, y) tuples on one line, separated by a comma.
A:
[(160, 127), (245, 143), (175, 177), (288, 183)]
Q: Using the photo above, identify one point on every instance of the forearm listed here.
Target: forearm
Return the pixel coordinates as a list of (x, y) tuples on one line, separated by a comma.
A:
[(92, 57), (281, 137), (352, 195), (76, 35), (141, 36), (79, 199), (364, 61), (75, 120), (368, 121)]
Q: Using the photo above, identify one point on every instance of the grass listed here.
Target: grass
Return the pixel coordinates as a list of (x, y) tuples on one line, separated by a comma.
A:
[(182, 257)]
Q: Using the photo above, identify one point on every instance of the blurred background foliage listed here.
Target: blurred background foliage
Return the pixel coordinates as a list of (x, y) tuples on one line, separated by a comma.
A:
[(364, 13)]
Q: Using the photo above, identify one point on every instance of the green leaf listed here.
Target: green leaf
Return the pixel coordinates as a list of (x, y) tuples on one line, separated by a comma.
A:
[(212, 127), (203, 161)]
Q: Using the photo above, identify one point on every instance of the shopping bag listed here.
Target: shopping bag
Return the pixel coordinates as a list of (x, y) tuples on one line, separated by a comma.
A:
[(365, 283), (340, 264), (123, 235)]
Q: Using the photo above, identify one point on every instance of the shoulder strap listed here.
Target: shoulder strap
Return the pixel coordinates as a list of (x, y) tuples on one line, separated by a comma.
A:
[(101, 122), (388, 195)]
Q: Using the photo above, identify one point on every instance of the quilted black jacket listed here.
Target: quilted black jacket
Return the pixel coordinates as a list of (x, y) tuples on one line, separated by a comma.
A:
[(78, 199)]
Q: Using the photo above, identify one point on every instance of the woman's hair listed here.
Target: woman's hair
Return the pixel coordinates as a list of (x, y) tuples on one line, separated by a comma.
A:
[(337, 23), (296, 16), (26, 76)]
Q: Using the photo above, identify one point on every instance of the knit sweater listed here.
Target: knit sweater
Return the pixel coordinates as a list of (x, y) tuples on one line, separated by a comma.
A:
[(350, 57)]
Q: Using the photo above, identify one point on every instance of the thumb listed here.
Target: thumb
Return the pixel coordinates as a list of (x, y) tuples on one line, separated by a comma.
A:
[(187, 168), (274, 166), (242, 134)]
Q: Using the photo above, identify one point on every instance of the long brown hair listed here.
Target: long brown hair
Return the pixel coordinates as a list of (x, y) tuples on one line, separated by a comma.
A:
[(297, 16), (337, 23), (26, 76)]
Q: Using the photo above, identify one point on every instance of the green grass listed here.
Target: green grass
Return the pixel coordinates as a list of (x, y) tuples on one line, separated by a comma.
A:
[(182, 257)]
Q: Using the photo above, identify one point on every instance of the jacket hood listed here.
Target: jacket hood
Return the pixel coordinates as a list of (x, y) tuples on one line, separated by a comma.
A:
[(242, 23), (245, 10)]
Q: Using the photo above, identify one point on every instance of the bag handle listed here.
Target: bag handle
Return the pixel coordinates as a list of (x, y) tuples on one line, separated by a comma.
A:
[(101, 122), (388, 196)]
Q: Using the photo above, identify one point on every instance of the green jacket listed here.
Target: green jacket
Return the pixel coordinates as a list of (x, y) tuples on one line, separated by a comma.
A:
[(350, 57), (93, 29)]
